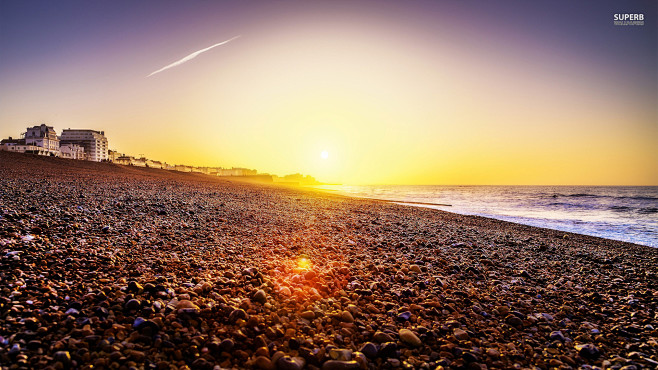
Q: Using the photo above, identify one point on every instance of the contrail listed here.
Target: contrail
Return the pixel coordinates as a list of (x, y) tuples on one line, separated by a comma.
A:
[(192, 56)]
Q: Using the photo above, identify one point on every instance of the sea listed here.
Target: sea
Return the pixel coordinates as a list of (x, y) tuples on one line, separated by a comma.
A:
[(626, 213)]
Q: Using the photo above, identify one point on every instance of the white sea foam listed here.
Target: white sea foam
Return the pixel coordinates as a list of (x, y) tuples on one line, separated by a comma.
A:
[(626, 213)]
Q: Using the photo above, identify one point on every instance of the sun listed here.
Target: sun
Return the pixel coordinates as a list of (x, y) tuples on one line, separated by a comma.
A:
[(324, 154)]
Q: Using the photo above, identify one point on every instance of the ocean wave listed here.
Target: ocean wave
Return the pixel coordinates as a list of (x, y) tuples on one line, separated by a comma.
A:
[(587, 195), (621, 208), (647, 210), (641, 198)]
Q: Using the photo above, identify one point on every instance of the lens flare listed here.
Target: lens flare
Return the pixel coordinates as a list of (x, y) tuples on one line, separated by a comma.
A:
[(303, 263)]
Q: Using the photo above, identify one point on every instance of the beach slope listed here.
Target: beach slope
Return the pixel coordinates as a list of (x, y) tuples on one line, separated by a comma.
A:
[(110, 266)]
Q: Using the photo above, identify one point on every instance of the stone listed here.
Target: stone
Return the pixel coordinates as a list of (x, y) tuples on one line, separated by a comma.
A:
[(308, 315), (260, 296), (226, 345), (492, 352), (340, 365), (138, 321), (382, 337), (404, 316), (134, 286), (361, 359), (393, 362), (15, 349), (460, 334), (133, 304), (346, 316), (409, 338), (63, 357), (588, 351), (290, 363), (388, 349), (369, 349), (262, 362), (146, 327), (237, 314), (557, 335), (513, 320), (470, 357), (186, 304), (340, 354)]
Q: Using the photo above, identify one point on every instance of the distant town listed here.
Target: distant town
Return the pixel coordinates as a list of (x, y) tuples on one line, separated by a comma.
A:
[(92, 145)]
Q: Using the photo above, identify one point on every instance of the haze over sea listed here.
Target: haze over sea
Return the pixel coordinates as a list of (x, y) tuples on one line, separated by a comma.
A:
[(626, 213)]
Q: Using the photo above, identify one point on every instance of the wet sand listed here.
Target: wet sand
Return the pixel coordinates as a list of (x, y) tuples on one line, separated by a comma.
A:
[(119, 267)]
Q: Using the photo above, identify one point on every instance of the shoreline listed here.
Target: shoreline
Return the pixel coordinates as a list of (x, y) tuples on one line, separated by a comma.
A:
[(116, 267), (522, 220)]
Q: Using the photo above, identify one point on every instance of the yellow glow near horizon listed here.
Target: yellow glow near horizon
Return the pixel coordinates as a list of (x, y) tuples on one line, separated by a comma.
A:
[(390, 99)]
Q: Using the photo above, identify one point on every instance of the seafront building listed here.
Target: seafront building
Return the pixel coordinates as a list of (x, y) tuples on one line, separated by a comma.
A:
[(19, 146), (92, 145), (73, 151), (72, 144), (93, 142), (43, 136)]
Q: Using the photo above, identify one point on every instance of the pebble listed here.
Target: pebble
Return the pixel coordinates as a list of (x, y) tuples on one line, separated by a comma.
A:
[(238, 314), (290, 363), (404, 316), (133, 304), (186, 304), (409, 338), (262, 362), (340, 365), (15, 349), (493, 352), (135, 287), (381, 337), (226, 345), (460, 334), (346, 316), (308, 315), (369, 349), (340, 354), (260, 296), (588, 351), (513, 320), (388, 349), (557, 335), (63, 357)]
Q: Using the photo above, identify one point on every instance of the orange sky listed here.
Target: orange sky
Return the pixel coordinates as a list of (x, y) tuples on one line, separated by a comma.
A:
[(407, 94)]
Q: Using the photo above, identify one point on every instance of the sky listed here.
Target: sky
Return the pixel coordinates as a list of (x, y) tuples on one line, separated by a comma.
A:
[(353, 92)]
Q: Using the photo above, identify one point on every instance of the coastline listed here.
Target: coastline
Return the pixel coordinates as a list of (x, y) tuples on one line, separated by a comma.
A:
[(107, 264), (615, 215)]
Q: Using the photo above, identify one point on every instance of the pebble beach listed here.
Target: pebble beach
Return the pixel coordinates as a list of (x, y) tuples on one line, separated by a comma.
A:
[(114, 267)]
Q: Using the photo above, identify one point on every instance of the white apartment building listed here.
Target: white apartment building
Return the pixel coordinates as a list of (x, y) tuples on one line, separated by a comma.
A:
[(72, 151), (19, 146), (43, 136), (93, 142)]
